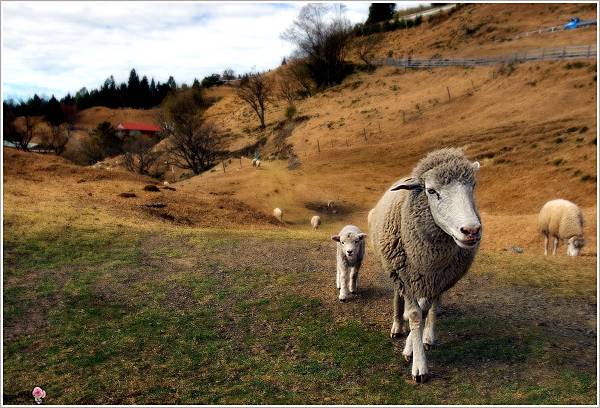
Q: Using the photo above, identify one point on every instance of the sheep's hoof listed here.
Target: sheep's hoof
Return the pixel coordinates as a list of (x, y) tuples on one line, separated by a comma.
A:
[(353, 292), (427, 346), (406, 357), (343, 300), (395, 335), (420, 379)]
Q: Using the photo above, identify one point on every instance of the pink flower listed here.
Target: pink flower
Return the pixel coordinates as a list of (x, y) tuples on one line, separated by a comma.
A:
[(38, 394)]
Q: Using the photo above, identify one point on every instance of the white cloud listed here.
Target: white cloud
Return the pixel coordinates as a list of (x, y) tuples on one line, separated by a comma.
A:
[(59, 47)]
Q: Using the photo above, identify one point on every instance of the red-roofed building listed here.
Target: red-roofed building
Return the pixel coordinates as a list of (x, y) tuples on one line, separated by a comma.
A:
[(137, 129)]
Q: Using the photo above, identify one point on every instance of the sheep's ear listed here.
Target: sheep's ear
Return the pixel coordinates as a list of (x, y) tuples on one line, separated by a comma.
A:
[(476, 166), (362, 236), (335, 238), (408, 184)]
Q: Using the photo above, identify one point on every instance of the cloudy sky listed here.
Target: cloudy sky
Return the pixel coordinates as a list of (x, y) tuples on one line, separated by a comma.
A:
[(58, 47)]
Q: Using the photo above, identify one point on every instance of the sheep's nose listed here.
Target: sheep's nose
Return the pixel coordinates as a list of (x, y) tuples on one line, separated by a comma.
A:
[(349, 252), (471, 230)]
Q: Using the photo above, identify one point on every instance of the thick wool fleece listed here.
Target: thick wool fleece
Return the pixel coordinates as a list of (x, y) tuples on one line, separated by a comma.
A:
[(421, 258), (561, 219)]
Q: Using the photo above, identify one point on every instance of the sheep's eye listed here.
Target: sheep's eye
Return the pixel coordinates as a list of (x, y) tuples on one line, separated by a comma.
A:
[(431, 191)]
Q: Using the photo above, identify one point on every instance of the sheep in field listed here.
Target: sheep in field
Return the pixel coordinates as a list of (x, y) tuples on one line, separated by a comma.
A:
[(349, 255), (426, 230), (315, 221), (278, 213), (562, 219)]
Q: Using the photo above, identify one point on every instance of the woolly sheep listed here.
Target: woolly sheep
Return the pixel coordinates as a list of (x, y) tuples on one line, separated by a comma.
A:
[(255, 163), (315, 221), (562, 219), (278, 213), (349, 255), (426, 230)]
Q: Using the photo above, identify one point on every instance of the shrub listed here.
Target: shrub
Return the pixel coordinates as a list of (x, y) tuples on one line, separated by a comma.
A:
[(290, 112)]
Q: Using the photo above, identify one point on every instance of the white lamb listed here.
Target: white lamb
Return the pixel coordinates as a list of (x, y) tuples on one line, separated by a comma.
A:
[(562, 219), (315, 221), (278, 213), (350, 254)]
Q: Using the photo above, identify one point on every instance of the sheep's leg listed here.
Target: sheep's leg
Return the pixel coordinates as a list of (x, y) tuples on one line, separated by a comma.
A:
[(545, 245), (353, 279), (419, 364), (337, 276), (398, 322), (408, 349), (429, 331), (343, 283), (555, 246)]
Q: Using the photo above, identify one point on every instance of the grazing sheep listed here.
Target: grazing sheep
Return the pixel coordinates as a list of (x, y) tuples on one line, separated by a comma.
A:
[(330, 204), (255, 163), (165, 183), (425, 230), (562, 219), (350, 254), (315, 221), (278, 213)]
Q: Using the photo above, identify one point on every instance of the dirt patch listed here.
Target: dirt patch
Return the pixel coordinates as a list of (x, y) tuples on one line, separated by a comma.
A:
[(338, 209)]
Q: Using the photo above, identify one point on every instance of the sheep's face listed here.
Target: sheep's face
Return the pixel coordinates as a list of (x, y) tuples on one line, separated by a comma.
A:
[(453, 209), (574, 246), (451, 202), (350, 244)]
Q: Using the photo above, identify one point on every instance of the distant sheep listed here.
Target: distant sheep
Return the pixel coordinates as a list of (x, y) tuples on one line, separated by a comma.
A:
[(349, 256), (278, 213), (315, 221), (562, 219), (426, 231), (255, 163), (330, 204)]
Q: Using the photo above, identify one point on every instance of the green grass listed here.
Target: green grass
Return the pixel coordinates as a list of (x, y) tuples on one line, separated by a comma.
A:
[(99, 316)]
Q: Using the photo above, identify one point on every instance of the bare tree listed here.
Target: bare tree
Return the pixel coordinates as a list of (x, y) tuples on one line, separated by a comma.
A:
[(57, 138), (26, 135), (228, 74), (256, 90), (140, 154), (193, 144), (365, 48), (321, 42)]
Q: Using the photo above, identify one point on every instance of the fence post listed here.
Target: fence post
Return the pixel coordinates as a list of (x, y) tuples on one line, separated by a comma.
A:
[(347, 144), (318, 146), (223, 164), (448, 89), (240, 162), (365, 134)]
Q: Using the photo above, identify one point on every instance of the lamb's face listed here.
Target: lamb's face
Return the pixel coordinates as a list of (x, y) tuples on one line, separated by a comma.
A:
[(453, 209), (575, 245), (350, 244)]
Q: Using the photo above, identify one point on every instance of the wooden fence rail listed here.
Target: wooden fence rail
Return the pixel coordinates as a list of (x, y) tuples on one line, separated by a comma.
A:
[(542, 54)]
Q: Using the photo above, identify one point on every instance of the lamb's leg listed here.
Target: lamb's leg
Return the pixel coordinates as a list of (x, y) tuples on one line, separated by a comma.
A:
[(353, 279), (415, 319), (337, 276), (545, 245), (343, 283), (555, 247), (398, 322), (429, 331)]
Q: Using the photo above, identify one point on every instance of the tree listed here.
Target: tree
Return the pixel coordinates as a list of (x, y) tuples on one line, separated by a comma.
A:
[(320, 43), (380, 12), (102, 142), (193, 144), (256, 90), (140, 155), (365, 48), (212, 80), (228, 74)]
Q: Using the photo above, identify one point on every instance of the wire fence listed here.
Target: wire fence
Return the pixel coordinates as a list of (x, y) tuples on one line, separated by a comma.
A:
[(541, 54)]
